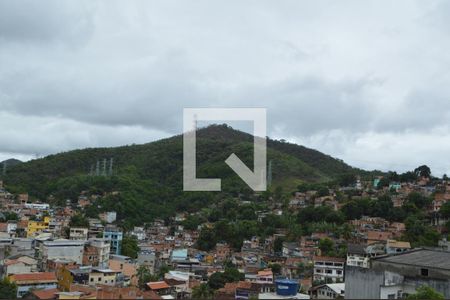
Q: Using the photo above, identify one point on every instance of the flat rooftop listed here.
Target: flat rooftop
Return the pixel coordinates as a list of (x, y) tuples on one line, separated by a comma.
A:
[(433, 259)]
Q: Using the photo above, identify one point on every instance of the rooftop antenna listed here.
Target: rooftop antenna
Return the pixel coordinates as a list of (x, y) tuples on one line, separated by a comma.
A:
[(111, 161)]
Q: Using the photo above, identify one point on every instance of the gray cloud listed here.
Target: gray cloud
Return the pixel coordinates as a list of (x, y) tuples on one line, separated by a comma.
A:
[(352, 79)]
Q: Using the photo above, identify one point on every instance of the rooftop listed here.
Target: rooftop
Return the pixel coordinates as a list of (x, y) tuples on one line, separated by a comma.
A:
[(38, 276), (420, 257), (158, 285)]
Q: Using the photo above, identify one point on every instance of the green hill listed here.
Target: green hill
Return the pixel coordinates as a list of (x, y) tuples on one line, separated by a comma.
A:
[(149, 176)]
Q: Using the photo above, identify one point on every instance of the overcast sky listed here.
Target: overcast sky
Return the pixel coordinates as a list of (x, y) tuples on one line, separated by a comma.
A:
[(364, 81)]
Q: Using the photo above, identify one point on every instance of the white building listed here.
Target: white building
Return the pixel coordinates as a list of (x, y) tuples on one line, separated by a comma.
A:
[(11, 227), (39, 206), (328, 269), (139, 233), (78, 233), (109, 216), (61, 249), (328, 291), (357, 256)]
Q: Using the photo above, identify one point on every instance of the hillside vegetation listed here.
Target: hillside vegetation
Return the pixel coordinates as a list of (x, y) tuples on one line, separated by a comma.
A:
[(148, 177)]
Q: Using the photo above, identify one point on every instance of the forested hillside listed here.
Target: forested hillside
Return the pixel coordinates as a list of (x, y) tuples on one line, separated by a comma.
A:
[(148, 177)]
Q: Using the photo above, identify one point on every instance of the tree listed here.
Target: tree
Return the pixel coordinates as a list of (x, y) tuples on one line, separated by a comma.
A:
[(445, 210), (425, 293), (144, 276), (10, 216), (418, 234), (347, 179), (79, 220), (8, 290), (163, 270), (423, 171), (418, 200), (203, 291), (217, 280), (326, 246), (206, 240), (130, 246), (276, 269), (278, 245)]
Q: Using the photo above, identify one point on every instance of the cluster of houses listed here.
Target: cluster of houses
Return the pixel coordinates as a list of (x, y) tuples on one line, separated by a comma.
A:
[(46, 258)]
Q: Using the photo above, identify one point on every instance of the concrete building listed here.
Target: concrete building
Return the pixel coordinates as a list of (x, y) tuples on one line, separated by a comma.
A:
[(357, 256), (96, 252), (328, 269), (61, 249), (115, 236), (109, 217), (396, 276), (30, 281), (126, 266), (20, 264), (36, 227), (148, 259), (96, 228), (328, 291), (393, 247), (78, 233), (102, 276), (139, 233)]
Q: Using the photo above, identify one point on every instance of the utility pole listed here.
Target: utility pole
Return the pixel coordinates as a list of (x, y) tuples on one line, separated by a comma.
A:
[(104, 167), (111, 161), (97, 168), (269, 174)]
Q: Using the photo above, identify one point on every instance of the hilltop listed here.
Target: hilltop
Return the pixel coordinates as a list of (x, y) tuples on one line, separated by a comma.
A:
[(149, 176)]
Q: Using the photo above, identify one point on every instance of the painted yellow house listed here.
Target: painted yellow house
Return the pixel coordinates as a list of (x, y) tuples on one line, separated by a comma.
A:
[(37, 226)]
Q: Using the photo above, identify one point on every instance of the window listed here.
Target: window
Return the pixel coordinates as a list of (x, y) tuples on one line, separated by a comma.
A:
[(424, 272), (391, 296)]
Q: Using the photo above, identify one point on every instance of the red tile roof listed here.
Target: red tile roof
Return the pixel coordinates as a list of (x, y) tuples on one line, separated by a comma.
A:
[(158, 285), (38, 276), (46, 294)]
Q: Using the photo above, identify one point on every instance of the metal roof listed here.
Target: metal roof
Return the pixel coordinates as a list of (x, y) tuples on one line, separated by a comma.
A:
[(436, 259)]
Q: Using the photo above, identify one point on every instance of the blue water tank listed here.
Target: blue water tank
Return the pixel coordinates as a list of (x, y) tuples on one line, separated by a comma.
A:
[(286, 287)]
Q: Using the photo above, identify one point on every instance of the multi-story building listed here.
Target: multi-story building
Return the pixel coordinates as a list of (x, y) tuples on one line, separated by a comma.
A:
[(328, 269), (36, 227), (96, 252), (393, 246), (32, 281), (115, 235), (78, 233), (397, 276), (95, 228), (357, 256), (139, 233), (108, 217), (102, 276), (61, 249), (126, 266)]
